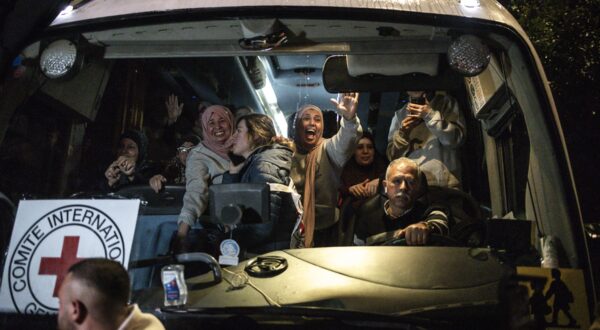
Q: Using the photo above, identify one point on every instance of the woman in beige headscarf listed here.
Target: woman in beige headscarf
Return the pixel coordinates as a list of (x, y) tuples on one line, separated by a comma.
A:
[(205, 165), (317, 166)]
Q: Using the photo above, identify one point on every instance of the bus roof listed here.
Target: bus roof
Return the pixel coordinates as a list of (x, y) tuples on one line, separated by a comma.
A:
[(489, 10)]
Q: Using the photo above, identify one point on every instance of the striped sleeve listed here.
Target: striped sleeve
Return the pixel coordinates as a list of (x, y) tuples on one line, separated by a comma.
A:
[(437, 221)]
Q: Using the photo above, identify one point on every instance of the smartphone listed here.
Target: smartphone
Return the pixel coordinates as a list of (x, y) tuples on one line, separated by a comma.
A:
[(417, 100), (235, 159)]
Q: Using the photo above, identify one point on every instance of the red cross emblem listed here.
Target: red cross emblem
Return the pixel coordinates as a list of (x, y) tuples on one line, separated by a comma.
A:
[(60, 266)]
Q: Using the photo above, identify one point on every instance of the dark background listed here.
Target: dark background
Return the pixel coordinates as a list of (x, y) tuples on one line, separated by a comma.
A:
[(566, 35)]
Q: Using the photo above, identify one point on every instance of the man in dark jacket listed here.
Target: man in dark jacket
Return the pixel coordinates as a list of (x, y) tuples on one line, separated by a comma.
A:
[(402, 214)]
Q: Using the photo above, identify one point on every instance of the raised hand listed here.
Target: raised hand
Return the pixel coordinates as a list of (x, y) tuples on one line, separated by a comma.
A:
[(174, 109), (347, 105)]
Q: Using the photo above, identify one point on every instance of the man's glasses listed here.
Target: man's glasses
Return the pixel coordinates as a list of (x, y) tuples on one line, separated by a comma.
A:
[(184, 149)]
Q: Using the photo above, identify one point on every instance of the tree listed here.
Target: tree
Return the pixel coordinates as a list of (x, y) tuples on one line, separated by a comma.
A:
[(566, 35)]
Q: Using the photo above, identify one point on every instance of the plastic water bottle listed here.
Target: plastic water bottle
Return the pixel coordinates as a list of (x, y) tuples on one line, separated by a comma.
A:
[(174, 285)]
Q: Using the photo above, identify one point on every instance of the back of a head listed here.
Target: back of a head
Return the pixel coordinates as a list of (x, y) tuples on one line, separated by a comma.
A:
[(108, 280), (243, 110)]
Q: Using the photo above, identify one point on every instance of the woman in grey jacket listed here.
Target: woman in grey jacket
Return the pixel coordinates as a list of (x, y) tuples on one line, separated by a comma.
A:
[(266, 161), (205, 165)]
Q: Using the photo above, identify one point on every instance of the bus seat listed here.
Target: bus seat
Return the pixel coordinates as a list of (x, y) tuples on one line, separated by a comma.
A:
[(467, 224), (152, 238), (167, 201), (347, 222)]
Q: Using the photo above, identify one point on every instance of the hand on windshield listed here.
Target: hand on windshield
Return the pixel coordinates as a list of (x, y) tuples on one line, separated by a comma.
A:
[(157, 182), (113, 173), (347, 105), (415, 234), (174, 109), (126, 165)]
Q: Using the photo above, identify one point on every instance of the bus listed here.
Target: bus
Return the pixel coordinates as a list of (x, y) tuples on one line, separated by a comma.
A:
[(99, 69)]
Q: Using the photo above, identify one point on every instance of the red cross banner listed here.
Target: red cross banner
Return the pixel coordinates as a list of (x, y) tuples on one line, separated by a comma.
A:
[(51, 235)]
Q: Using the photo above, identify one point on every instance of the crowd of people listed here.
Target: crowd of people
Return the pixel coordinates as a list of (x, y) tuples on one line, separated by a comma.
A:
[(344, 170), (310, 177)]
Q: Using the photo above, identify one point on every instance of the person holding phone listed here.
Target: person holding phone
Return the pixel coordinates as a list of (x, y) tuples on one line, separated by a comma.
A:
[(265, 158), (430, 128)]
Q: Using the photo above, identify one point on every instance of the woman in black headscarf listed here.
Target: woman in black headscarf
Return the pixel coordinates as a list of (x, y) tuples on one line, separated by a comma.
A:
[(360, 178), (131, 166)]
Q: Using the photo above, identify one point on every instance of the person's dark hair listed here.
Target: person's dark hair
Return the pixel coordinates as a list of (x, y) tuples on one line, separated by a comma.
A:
[(428, 94), (109, 279), (243, 110), (261, 130), (368, 135), (331, 123), (189, 138)]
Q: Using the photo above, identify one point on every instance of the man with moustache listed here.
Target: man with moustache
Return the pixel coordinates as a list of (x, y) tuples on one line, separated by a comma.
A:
[(402, 214)]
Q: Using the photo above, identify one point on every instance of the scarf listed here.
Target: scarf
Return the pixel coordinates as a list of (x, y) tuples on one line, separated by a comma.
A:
[(216, 112), (308, 203)]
